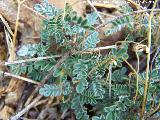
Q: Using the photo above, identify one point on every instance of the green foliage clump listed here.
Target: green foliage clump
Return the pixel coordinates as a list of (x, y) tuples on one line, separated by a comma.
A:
[(83, 77), (80, 73)]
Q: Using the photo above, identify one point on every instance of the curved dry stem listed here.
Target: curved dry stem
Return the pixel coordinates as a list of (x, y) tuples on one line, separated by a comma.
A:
[(148, 63)]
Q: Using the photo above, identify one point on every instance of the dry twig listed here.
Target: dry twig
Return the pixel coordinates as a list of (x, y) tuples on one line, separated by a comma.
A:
[(57, 56), (127, 14), (35, 12), (26, 109), (19, 77), (30, 60)]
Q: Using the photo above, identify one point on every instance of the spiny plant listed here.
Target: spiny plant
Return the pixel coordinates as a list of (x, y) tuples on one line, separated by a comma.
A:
[(87, 78)]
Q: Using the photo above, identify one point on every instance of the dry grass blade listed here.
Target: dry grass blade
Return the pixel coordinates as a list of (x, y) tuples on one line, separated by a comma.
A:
[(8, 41), (110, 82), (6, 25)]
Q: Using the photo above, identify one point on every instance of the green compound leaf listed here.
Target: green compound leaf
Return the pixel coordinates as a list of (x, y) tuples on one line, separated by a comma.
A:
[(92, 18), (121, 89), (54, 27), (96, 118), (50, 90), (91, 40), (120, 75), (56, 90), (28, 50), (110, 108), (98, 90), (119, 24), (18, 69), (47, 9), (80, 87), (102, 117), (80, 75), (88, 97), (110, 116), (80, 110), (44, 65), (66, 88)]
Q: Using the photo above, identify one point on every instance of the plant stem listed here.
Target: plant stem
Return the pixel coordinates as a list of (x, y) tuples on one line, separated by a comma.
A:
[(148, 63), (135, 72), (64, 11), (110, 82), (13, 54)]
